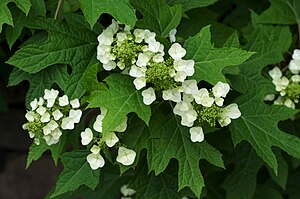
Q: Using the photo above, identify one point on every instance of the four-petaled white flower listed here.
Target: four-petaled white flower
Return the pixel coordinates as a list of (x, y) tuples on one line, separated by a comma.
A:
[(110, 139), (63, 101), (96, 161), (86, 136), (197, 134), (230, 112), (148, 96), (126, 191), (126, 156), (176, 51)]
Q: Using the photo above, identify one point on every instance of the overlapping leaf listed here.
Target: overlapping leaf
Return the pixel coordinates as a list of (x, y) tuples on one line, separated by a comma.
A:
[(190, 4), (64, 45), (158, 16), (121, 10), (210, 61), (121, 98)]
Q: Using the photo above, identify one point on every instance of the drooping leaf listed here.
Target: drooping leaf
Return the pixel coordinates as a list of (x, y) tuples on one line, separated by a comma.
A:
[(77, 172), (241, 183), (121, 10), (168, 140), (121, 98), (76, 48), (210, 61), (280, 12), (36, 151), (190, 4), (40, 81), (90, 79), (158, 16)]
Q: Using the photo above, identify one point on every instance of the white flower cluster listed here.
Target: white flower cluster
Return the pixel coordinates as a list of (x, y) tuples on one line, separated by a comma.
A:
[(49, 115), (143, 55), (288, 84), (126, 192), (201, 107), (110, 139)]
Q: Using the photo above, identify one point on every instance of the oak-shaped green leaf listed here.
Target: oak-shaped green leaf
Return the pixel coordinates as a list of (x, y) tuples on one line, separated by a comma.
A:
[(77, 172), (121, 10), (241, 183), (77, 48), (190, 4), (158, 16), (285, 12), (121, 98), (36, 151), (168, 140), (40, 81), (210, 61)]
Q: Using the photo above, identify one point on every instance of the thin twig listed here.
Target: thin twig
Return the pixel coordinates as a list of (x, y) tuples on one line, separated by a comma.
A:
[(57, 8)]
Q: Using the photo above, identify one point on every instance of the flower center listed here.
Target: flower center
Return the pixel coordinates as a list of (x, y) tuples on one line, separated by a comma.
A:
[(293, 91), (207, 115)]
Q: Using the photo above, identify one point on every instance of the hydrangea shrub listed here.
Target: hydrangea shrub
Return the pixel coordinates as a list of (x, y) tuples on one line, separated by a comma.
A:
[(161, 98)]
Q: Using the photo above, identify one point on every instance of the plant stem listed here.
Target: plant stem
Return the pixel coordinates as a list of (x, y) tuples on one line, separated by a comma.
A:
[(57, 8)]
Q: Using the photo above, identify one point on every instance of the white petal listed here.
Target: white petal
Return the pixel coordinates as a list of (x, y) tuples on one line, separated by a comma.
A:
[(176, 51), (190, 86), (139, 83), (86, 136), (110, 139), (197, 134), (95, 160), (148, 96), (126, 156), (63, 101)]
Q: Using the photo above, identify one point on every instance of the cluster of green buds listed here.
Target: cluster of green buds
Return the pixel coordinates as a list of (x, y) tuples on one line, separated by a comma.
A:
[(201, 107), (288, 84), (49, 115)]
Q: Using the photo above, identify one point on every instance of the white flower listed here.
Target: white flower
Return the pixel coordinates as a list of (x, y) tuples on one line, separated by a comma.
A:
[(127, 191), (186, 66), (103, 49), (41, 110), (139, 35), (67, 123), (158, 58), (270, 97), (187, 98), (185, 122), (51, 126), (190, 86), (31, 134), (36, 141), (197, 134), (95, 160), (106, 37), (191, 115), (294, 66), (172, 34), (75, 115), (53, 137), (202, 97), (295, 78), (139, 83), (176, 51), (34, 104), (95, 149), (142, 60), (75, 103), (50, 102), (98, 123), (110, 65), (50, 94), (180, 76), (137, 71), (57, 114), (110, 139), (230, 112), (126, 156), (172, 94), (41, 101), (220, 89), (296, 54), (121, 36), (63, 101), (183, 106), (219, 101), (122, 127), (289, 103), (280, 83), (149, 36), (86, 136), (275, 73), (30, 116), (148, 96), (279, 101), (154, 46), (45, 117)]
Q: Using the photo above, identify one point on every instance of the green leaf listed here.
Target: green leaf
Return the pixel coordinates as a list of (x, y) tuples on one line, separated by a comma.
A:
[(258, 126), (121, 10), (90, 81), (190, 4), (163, 186), (168, 140), (5, 15), (36, 151), (76, 48), (210, 61), (265, 191), (241, 182), (24, 5), (40, 81), (284, 12), (77, 172), (121, 98), (158, 16)]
